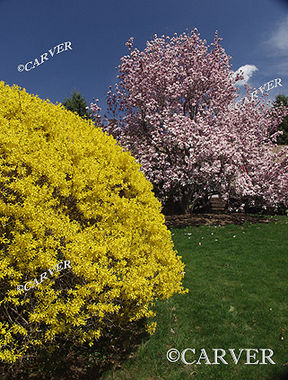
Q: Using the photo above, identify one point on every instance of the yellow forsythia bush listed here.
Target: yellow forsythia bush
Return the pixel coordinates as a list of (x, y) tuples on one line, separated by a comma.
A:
[(69, 194)]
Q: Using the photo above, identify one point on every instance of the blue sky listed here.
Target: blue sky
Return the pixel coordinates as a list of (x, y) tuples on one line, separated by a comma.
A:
[(254, 33)]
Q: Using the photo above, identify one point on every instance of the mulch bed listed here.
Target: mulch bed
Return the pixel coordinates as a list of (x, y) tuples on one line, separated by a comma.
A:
[(175, 221)]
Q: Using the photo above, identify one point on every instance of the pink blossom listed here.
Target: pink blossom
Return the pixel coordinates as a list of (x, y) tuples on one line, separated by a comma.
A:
[(175, 109)]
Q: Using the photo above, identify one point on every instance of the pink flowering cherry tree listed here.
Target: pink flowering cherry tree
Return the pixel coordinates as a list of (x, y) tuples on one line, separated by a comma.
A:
[(174, 107)]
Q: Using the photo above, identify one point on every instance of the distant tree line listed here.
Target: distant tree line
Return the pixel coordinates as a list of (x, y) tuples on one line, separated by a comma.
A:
[(76, 103), (283, 126)]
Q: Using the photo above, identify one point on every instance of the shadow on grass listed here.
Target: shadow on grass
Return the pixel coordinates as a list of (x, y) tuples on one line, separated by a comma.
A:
[(283, 375), (116, 345)]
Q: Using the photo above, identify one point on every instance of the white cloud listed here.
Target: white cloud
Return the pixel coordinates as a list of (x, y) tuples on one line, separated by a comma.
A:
[(247, 72), (279, 38)]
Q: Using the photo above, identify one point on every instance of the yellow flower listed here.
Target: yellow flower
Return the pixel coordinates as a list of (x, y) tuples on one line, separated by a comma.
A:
[(70, 192)]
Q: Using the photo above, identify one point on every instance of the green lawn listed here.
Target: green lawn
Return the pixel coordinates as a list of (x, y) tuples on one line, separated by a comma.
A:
[(238, 282)]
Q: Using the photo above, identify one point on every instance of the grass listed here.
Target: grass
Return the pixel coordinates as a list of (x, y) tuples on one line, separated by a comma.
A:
[(238, 282)]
